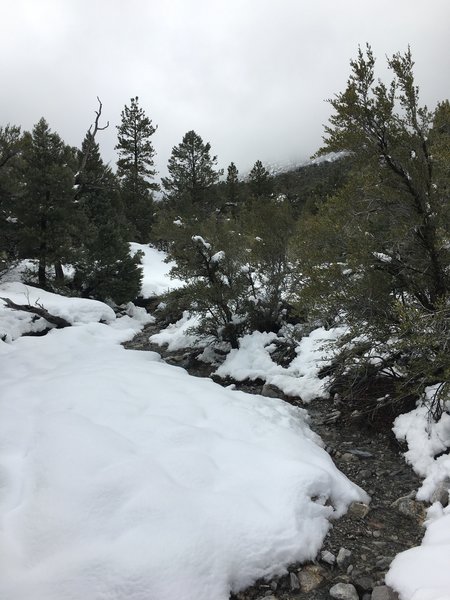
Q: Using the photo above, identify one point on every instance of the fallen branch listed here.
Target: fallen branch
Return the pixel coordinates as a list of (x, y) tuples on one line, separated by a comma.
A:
[(59, 322)]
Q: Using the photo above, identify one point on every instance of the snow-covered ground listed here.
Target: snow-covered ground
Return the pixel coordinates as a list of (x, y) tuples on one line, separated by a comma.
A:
[(123, 477), (156, 280)]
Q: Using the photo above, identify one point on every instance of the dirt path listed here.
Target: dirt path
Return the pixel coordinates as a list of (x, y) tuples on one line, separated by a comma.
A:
[(360, 546)]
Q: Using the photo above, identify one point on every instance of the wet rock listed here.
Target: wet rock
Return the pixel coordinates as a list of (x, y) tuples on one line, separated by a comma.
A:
[(359, 510), (384, 592), (344, 591), (343, 558), (311, 577)]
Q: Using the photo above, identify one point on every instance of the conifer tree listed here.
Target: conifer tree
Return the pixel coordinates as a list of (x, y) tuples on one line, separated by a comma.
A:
[(10, 150), (47, 211), (260, 181), (135, 168), (105, 270), (232, 184), (192, 174)]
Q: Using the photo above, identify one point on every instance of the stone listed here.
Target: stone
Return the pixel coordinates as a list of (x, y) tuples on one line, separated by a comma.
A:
[(441, 493), (365, 473), (311, 577), (344, 591), (271, 597), (294, 582), (271, 391), (343, 558), (364, 583), (383, 562), (410, 508), (384, 592), (349, 457), (327, 557), (359, 510)]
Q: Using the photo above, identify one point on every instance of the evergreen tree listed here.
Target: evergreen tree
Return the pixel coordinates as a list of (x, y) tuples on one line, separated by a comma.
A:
[(135, 168), (105, 270), (232, 184), (10, 150), (47, 211), (377, 253), (192, 174), (260, 181)]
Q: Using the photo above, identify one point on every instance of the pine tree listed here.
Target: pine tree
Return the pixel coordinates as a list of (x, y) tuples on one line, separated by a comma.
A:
[(192, 174), (260, 181), (378, 251), (10, 150), (232, 184), (135, 168), (46, 210), (104, 270)]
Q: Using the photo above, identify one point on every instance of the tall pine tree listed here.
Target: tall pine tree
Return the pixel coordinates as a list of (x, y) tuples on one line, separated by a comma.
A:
[(135, 168), (47, 212), (105, 270), (192, 174)]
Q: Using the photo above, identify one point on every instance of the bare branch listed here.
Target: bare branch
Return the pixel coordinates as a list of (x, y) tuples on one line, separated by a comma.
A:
[(40, 311)]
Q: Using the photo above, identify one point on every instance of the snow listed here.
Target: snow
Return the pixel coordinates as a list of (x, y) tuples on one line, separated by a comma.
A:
[(13, 324), (252, 360), (423, 573), (124, 477), (156, 280), (176, 336)]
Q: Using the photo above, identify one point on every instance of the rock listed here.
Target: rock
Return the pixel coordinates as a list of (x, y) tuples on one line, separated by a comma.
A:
[(270, 597), (384, 592), (294, 582), (349, 457), (440, 494), (359, 510), (271, 391), (327, 557), (364, 583), (383, 562), (344, 558), (344, 591), (410, 508), (361, 453), (365, 473), (311, 577)]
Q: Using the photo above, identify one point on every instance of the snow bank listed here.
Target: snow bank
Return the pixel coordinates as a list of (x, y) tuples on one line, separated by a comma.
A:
[(252, 361), (156, 279), (423, 573), (123, 477), (13, 324)]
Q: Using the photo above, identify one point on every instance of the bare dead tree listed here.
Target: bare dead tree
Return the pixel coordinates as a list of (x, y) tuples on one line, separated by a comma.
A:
[(92, 132)]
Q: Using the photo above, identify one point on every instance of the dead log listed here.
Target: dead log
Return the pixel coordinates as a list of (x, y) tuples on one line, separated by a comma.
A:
[(40, 311)]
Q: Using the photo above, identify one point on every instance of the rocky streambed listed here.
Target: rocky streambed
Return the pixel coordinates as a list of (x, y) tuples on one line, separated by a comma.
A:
[(360, 546)]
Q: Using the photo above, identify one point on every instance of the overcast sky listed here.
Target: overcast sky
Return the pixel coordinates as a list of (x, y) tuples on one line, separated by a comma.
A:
[(249, 76)]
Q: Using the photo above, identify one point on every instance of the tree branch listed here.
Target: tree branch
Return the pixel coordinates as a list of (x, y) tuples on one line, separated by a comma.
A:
[(59, 322)]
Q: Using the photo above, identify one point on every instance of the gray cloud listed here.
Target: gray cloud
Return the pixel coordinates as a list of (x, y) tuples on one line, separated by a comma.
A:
[(250, 76)]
